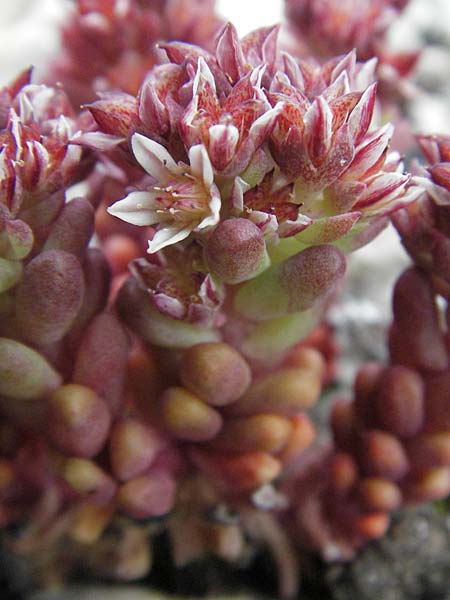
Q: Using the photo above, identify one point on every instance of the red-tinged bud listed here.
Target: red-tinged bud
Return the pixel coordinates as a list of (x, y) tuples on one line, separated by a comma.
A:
[(243, 472), (73, 228), (236, 251), (399, 401), (383, 455), (78, 420), (97, 278), (90, 522), (88, 479), (430, 450), (427, 485), (365, 387), (343, 473), (120, 250), (441, 174), (187, 417), (285, 392), (114, 115), (150, 495), (292, 286), (438, 402), (133, 447), (258, 433), (343, 425), (216, 372), (373, 525), (49, 296), (416, 339), (302, 436), (102, 359), (379, 494), (24, 373)]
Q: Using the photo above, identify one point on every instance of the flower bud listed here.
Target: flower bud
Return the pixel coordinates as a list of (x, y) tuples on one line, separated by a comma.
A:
[(284, 392), (215, 372), (102, 359), (49, 296), (236, 251), (187, 417), (24, 373), (150, 495), (73, 228), (292, 286), (133, 447), (78, 420)]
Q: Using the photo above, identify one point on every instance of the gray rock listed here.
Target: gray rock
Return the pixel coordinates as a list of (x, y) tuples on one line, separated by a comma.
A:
[(411, 563)]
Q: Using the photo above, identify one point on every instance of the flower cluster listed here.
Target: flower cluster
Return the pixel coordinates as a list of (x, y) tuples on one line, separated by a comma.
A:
[(163, 337), (326, 28), (108, 45)]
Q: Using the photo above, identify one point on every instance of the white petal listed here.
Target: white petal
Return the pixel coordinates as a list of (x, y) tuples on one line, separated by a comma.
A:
[(154, 158), (167, 236), (137, 208), (201, 165), (203, 75)]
